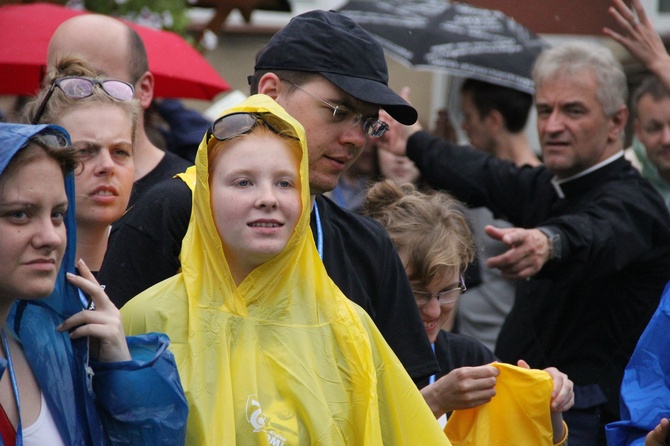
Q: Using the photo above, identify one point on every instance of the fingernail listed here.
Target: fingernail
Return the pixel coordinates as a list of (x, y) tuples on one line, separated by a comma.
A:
[(60, 327)]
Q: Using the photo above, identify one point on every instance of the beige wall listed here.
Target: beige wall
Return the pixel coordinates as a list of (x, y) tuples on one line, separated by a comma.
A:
[(235, 55)]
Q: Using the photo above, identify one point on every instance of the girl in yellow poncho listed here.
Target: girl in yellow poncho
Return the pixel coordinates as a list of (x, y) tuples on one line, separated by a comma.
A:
[(269, 350)]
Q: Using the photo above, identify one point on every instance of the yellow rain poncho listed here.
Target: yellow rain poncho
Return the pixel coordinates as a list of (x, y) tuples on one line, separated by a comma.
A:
[(284, 358)]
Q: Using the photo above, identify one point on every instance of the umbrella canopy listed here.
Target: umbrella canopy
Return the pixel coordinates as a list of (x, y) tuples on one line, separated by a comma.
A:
[(463, 40), (25, 30)]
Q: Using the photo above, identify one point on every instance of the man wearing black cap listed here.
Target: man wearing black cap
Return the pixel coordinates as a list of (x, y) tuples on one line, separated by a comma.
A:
[(329, 74)]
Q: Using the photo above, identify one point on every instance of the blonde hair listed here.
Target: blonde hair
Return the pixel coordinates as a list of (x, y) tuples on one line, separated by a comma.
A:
[(429, 227)]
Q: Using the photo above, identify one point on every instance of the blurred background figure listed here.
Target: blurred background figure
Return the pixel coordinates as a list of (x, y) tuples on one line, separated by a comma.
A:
[(355, 181), (650, 151), (494, 120)]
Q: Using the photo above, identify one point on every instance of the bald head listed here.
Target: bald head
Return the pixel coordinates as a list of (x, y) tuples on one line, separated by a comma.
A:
[(109, 45)]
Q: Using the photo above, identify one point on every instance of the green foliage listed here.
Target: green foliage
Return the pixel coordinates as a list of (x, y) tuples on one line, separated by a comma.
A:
[(159, 14)]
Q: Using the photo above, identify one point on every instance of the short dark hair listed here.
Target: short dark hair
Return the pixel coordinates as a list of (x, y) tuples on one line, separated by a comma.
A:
[(651, 85), (513, 105), (139, 62), (292, 77)]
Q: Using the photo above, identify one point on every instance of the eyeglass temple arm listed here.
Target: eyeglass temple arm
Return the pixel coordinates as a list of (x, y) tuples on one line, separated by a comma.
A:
[(43, 105)]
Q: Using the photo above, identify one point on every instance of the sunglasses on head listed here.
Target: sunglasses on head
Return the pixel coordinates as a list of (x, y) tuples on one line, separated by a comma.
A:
[(51, 138), (237, 124), (82, 87)]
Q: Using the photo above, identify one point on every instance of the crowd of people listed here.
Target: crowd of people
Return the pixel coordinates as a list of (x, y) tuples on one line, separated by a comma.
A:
[(321, 269)]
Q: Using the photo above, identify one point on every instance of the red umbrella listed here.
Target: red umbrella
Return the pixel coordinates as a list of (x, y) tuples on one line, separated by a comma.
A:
[(25, 30)]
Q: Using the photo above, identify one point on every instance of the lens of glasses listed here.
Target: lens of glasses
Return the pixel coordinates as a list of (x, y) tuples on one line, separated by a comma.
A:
[(76, 87), (51, 138), (120, 90), (82, 87), (229, 126), (375, 127)]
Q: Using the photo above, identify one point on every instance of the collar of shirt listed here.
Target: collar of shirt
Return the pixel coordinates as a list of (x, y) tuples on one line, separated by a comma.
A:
[(557, 183)]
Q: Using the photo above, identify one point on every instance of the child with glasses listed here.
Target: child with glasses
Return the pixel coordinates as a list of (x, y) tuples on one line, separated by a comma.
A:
[(270, 351), (435, 243), (67, 376), (101, 116)]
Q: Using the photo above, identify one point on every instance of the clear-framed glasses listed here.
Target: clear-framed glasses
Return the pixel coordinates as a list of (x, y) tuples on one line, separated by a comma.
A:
[(237, 124), (444, 297), (76, 87), (371, 126)]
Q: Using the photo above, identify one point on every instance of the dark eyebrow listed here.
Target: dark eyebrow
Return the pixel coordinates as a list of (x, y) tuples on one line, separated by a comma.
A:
[(14, 204), (27, 205), (86, 145)]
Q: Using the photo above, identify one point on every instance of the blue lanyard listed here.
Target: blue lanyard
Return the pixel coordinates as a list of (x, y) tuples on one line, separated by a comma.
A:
[(319, 230), (431, 380), (15, 386)]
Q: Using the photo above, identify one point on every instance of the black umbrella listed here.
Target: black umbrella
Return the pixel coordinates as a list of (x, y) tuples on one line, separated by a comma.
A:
[(458, 38)]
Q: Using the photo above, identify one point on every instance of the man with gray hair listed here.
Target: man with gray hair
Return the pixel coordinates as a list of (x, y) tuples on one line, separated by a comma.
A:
[(591, 242)]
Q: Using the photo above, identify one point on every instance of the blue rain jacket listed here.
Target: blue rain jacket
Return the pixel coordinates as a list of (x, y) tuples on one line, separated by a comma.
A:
[(645, 390), (137, 402)]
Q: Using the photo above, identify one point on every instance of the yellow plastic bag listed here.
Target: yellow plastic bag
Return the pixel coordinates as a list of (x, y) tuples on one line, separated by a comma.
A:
[(519, 414)]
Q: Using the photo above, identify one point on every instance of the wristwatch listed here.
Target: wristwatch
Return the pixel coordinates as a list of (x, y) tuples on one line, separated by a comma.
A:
[(554, 238)]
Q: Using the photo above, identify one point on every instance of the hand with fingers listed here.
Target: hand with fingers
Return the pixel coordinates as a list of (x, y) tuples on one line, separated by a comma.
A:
[(462, 388), (562, 398), (528, 251), (660, 436), (640, 38), (103, 326), (395, 139)]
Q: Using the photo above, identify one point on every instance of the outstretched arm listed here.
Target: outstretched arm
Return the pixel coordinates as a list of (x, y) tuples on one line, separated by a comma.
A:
[(640, 38), (395, 139)]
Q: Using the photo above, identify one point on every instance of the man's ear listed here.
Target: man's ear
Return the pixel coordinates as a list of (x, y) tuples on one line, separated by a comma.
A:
[(494, 120), (618, 123), (637, 127), (144, 89), (270, 85)]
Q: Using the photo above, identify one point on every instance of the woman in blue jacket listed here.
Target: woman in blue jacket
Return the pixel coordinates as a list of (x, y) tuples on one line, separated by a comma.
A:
[(68, 375)]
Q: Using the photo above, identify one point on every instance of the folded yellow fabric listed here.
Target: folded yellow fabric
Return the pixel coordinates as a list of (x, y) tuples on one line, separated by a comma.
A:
[(519, 414)]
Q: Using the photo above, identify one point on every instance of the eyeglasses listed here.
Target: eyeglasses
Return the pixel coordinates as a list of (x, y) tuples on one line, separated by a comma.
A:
[(82, 87), (371, 126), (51, 138), (444, 297), (237, 124)]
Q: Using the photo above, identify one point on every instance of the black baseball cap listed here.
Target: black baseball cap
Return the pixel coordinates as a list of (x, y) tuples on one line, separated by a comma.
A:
[(337, 48)]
